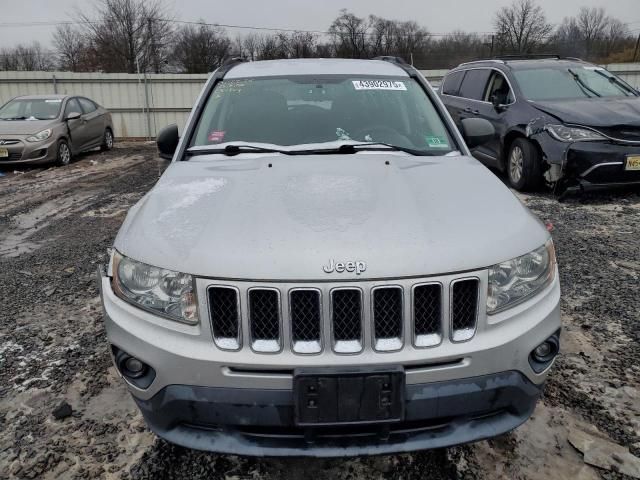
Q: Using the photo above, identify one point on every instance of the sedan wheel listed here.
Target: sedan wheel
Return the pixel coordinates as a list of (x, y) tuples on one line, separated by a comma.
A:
[(107, 142), (64, 154), (516, 163)]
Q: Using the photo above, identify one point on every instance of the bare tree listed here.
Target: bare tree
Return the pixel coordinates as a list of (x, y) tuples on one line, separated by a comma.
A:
[(349, 35), (302, 45), (250, 44), (74, 53), (522, 26), (127, 34), (26, 57), (592, 23), (200, 48)]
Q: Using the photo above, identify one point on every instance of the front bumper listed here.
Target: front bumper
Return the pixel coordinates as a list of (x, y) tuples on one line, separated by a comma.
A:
[(22, 152), (590, 165), (205, 398), (260, 422)]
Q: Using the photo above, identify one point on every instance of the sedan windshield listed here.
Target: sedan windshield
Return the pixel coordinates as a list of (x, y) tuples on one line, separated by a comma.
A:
[(31, 109), (570, 83), (327, 109)]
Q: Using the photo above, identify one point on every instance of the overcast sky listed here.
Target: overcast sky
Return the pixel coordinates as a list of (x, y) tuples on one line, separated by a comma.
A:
[(437, 15)]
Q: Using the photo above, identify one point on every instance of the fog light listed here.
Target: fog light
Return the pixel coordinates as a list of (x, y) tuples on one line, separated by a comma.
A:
[(133, 367), (542, 351)]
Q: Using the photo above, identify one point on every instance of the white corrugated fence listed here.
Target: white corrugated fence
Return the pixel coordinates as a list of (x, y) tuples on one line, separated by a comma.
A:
[(142, 104)]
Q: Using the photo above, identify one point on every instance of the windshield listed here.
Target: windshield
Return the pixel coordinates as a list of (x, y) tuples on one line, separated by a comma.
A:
[(304, 110), (31, 109), (570, 83)]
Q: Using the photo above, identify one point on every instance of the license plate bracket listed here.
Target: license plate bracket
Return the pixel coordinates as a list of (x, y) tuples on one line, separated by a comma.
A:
[(324, 397), (632, 163)]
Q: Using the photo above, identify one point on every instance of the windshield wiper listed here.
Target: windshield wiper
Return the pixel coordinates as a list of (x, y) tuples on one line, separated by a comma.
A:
[(619, 83), (231, 150), (348, 148), (13, 118), (584, 86)]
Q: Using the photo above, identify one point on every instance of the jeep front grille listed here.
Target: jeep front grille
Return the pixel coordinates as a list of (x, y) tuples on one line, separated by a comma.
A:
[(342, 317), (264, 319), (464, 309), (306, 321), (224, 308)]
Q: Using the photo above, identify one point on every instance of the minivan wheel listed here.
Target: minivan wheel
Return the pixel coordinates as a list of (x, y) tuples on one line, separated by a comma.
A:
[(523, 165), (64, 154), (107, 141)]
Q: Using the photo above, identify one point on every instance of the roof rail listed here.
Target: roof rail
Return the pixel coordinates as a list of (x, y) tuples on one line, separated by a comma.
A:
[(527, 56), (495, 60), (391, 58)]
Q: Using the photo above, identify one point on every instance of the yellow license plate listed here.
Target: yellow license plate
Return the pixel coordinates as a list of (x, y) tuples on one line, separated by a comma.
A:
[(4, 152), (633, 163)]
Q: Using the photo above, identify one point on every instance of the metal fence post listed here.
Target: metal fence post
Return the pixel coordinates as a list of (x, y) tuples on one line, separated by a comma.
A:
[(55, 83), (146, 101)]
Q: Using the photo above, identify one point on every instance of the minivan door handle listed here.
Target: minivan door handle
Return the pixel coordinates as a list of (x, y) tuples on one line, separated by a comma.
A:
[(472, 111)]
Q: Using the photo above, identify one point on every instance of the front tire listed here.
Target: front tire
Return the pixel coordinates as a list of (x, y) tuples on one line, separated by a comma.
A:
[(64, 154), (107, 141), (523, 165)]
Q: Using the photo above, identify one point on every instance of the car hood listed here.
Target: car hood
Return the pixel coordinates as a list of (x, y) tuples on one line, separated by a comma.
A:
[(277, 217), (25, 127), (594, 112)]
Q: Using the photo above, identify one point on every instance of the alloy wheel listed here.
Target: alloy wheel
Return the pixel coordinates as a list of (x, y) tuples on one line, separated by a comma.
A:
[(516, 164)]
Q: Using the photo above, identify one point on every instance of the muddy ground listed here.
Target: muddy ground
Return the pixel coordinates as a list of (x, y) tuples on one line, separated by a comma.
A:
[(55, 227)]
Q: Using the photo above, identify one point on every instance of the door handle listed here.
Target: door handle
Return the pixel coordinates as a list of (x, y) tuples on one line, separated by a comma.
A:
[(472, 111)]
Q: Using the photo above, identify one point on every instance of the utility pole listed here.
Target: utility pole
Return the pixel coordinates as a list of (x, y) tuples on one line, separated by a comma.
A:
[(493, 39), (635, 53)]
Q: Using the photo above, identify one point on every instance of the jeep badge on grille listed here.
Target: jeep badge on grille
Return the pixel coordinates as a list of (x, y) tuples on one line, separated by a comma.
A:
[(357, 266)]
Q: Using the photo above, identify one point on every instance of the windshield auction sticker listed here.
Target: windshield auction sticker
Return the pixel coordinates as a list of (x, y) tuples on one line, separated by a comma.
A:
[(378, 85)]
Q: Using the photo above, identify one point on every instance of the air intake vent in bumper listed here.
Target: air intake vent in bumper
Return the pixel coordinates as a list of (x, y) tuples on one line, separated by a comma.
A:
[(387, 318), (427, 315), (224, 307), (464, 309), (346, 307), (305, 317), (264, 319)]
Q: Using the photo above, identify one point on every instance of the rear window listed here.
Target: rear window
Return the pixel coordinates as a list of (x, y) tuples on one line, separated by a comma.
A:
[(451, 83), (308, 110), (474, 84)]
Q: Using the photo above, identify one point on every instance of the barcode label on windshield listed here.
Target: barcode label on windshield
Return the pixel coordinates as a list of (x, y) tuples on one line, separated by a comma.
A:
[(378, 85)]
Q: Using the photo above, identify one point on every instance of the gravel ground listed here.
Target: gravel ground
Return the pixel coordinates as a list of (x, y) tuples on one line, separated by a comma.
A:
[(55, 227)]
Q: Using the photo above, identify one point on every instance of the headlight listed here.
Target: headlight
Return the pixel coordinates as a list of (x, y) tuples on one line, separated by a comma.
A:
[(514, 281), (38, 137), (160, 291), (573, 134)]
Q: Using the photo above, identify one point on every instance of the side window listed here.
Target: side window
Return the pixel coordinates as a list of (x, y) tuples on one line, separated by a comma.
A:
[(72, 106), (474, 83), (499, 87), (87, 105), (451, 83)]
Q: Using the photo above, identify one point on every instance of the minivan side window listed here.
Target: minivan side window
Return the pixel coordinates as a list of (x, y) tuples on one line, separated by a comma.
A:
[(87, 105), (499, 88), (451, 83), (474, 83), (72, 106)]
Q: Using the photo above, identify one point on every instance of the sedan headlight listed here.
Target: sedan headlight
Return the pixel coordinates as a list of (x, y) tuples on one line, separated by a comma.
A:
[(573, 134), (164, 292), (514, 281), (40, 136)]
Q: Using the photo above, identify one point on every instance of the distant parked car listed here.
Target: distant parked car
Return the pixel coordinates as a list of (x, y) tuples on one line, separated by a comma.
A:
[(38, 129), (565, 121)]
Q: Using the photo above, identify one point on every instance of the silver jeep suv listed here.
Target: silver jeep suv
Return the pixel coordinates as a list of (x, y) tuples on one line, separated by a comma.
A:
[(320, 271)]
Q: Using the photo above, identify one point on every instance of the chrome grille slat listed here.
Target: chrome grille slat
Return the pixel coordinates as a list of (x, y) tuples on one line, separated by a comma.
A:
[(305, 315), (464, 309), (427, 314), (346, 317), (387, 313), (224, 308), (264, 319)]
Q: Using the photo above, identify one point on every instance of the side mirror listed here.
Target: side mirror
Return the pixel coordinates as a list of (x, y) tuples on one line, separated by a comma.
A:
[(73, 116), (477, 131), (167, 141)]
